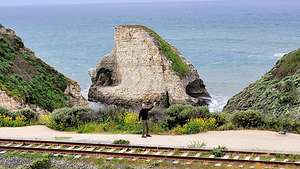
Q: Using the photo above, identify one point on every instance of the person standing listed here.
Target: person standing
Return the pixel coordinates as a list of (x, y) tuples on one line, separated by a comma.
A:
[(144, 116)]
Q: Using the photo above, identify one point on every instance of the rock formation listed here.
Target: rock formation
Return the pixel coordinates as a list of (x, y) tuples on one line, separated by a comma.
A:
[(144, 67), (28, 82), (277, 92)]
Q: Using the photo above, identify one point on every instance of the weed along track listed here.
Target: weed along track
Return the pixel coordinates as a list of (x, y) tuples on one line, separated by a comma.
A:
[(176, 155)]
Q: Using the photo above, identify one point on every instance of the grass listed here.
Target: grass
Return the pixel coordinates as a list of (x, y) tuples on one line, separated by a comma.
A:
[(178, 64), (288, 64), (26, 77)]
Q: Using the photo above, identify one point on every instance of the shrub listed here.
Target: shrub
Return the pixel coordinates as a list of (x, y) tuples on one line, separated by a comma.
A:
[(44, 163), (196, 126), (180, 114), (91, 127), (196, 144), (248, 119), (45, 119), (219, 151), (67, 118), (131, 122), (121, 141), (27, 113), (8, 121)]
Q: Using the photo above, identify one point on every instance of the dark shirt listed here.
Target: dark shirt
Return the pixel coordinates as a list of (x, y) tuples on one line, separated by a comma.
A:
[(144, 113)]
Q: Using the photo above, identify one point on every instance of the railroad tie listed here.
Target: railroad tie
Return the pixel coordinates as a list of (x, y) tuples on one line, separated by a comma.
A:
[(79, 148), (123, 151), (111, 150), (247, 158), (9, 144), (225, 157), (90, 149), (100, 149), (170, 153), (157, 153), (28, 146), (184, 154), (58, 147), (198, 155), (70, 148), (131, 151), (40, 146), (18, 145)]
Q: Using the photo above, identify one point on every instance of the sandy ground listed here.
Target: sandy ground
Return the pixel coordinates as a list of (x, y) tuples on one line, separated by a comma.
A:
[(235, 140)]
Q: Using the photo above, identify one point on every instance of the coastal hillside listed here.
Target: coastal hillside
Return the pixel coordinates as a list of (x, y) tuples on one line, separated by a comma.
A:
[(143, 67), (27, 81), (277, 92)]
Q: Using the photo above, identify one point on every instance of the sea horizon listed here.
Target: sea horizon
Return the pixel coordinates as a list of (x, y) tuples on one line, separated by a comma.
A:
[(230, 44)]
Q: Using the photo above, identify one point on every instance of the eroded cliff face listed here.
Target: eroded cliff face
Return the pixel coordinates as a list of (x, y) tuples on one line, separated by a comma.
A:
[(137, 70), (28, 82), (277, 92)]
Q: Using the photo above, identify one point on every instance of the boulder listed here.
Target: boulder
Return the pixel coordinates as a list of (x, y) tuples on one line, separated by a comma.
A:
[(143, 67)]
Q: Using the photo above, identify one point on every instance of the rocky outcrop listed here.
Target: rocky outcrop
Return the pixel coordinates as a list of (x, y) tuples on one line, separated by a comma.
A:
[(28, 82), (277, 92), (143, 67)]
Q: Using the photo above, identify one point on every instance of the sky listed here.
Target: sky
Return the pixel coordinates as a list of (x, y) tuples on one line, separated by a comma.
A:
[(57, 2)]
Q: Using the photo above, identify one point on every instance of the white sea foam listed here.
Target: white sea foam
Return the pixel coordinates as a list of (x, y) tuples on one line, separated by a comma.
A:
[(217, 103), (93, 105), (278, 55)]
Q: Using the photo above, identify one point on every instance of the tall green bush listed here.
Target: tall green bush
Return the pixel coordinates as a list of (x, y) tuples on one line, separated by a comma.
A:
[(248, 119), (67, 118), (180, 114)]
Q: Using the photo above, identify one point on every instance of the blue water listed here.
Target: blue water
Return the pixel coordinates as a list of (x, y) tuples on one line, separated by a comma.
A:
[(232, 43)]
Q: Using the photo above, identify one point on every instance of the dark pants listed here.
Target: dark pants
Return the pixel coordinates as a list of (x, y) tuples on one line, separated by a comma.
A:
[(145, 127)]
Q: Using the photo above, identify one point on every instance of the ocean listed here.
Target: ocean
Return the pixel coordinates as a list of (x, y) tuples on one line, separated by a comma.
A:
[(231, 42)]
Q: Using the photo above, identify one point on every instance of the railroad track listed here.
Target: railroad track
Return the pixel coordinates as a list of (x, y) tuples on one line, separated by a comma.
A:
[(146, 152)]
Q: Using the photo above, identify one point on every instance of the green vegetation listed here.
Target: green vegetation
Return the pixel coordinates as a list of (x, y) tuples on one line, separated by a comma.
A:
[(287, 65), (44, 163), (68, 118), (196, 126), (27, 78), (121, 141), (277, 92), (47, 160), (178, 64), (219, 151), (196, 144), (17, 118), (177, 119)]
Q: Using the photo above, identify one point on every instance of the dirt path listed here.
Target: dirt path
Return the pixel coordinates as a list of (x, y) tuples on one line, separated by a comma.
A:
[(235, 140)]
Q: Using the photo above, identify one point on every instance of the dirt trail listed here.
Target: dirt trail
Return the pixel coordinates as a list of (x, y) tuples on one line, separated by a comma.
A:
[(235, 139)]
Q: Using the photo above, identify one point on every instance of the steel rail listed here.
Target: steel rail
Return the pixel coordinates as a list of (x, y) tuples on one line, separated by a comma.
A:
[(145, 156), (134, 146)]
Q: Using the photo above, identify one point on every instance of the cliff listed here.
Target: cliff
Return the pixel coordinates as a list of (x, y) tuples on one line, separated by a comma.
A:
[(277, 92), (143, 67), (27, 81)]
